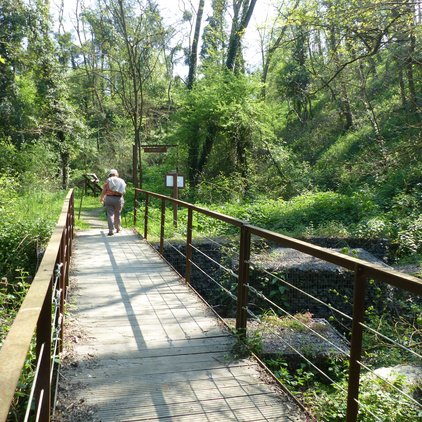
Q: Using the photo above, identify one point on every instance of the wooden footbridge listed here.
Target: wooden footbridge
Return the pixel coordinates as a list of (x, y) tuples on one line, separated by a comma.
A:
[(149, 349), (139, 344)]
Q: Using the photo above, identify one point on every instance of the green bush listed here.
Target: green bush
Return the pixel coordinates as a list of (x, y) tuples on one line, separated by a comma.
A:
[(328, 210), (25, 229), (376, 398)]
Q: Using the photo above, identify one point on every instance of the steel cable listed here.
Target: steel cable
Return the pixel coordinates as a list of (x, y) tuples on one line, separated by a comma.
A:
[(228, 270), (390, 384), (312, 364), (260, 294), (303, 292), (231, 295), (31, 394), (251, 313), (234, 297), (391, 340)]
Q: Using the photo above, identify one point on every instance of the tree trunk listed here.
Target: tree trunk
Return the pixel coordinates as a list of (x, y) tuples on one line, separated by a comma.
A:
[(242, 163), (370, 112), (238, 29), (194, 51), (193, 152), (271, 50), (193, 141), (409, 71), (345, 108), (206, 149), (135, 157), (401, 84), (64, 159)]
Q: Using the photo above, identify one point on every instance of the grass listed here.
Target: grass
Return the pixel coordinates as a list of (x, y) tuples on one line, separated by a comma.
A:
[(37, 205), (85, 204)]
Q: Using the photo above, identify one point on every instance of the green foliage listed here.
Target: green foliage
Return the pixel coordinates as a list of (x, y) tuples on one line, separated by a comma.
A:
[(11, 298), (25, 229), (310, 209), (376, 398), (399, 320)]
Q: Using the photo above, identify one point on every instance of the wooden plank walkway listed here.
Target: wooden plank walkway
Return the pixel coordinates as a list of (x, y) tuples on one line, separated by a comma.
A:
[(144, 347)]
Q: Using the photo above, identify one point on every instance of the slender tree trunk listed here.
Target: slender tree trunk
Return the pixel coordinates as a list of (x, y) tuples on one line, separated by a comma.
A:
[(345, 108), (64, 159), (239, 26), (194, 50), (135, 153), (242, 162), (206, 150), (271, 50), (410, 76), (193, 152), (372, 117), (401, 84)]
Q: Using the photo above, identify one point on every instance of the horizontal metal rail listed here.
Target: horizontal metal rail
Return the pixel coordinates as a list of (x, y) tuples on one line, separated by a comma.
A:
[(395, 278), (35, 316), (222, 217), (363, 271)]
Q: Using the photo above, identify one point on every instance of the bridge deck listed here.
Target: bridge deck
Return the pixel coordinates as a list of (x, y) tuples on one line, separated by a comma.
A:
[(144, 347)]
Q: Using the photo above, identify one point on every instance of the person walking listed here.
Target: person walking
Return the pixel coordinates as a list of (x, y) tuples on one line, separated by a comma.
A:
[(112, 198)]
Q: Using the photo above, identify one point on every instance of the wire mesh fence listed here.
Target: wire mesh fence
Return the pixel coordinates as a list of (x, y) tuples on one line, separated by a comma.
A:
[(332, 320)]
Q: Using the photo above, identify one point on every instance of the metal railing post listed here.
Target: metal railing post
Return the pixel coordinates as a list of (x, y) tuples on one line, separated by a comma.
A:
[(42, 388), (66, 256), (63, 287), (242, 290), (163, 220), (189, 246), (356, 344), (135, 203), (146, 217), (72, 218)]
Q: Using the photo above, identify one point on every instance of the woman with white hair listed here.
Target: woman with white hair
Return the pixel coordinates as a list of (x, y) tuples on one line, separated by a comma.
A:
[(112, 197)]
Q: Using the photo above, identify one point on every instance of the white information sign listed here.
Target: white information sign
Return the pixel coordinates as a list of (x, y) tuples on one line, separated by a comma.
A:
[(170, 178)]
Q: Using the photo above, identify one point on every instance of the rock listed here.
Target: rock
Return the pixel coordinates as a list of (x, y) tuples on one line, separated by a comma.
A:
[(285, 259), (285, 337), (412, 374)]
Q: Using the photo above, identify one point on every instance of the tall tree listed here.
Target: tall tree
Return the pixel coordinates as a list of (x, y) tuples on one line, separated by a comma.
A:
[(14, 27), (242, 13), (276, 37), (56, 112), (135, 38), (193, 56)]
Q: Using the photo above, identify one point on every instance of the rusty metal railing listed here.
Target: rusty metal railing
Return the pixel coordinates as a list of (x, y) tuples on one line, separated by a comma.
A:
[(363, 271), (42, 313)]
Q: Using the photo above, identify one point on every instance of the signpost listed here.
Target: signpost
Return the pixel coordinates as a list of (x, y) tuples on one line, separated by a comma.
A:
[(171, 179), (155, 149), (175, 181)]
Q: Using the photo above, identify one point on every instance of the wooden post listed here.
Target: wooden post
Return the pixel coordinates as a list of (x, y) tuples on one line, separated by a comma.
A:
[(242, 290), (356, 344), (189, 246), (175, 196)]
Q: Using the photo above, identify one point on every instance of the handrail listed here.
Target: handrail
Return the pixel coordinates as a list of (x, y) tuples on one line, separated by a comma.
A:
[(226, 218), (35, 315), (395, 278), (362, 270)]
